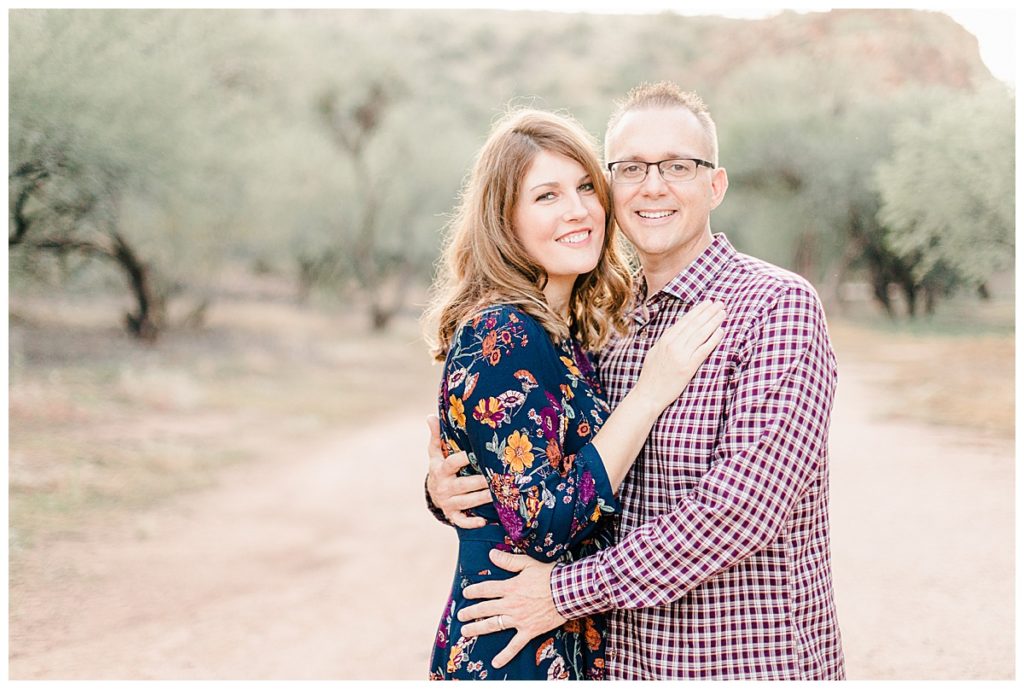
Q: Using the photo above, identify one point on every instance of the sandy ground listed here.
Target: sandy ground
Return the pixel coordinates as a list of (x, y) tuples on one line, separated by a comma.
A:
[(321, 562)]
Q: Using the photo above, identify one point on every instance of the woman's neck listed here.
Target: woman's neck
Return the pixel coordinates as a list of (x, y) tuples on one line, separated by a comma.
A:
[(557, 292)]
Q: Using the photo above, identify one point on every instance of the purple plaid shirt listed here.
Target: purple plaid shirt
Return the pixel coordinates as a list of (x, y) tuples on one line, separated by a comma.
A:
[(722, 567)]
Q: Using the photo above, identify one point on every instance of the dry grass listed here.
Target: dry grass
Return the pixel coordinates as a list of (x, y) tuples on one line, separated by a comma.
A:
[(954, 369), (99, 423)]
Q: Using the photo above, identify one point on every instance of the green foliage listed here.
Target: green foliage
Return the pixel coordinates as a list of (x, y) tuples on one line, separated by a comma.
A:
[(948, 189), (197, 136)]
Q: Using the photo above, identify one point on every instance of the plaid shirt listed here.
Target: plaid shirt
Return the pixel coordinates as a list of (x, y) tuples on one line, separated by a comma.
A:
[(722, 567)]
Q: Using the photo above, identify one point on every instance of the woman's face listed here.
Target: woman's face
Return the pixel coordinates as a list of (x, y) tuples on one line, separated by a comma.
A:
[(559, 220)]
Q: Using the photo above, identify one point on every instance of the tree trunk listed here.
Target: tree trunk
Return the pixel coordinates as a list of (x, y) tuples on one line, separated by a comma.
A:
[(148, 319)]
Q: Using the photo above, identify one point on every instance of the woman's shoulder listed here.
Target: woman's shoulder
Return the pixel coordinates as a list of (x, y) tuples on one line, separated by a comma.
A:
[(502, 333), (500, 316)]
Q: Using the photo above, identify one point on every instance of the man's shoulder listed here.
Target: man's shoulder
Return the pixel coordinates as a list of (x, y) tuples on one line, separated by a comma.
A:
[(752, 279)]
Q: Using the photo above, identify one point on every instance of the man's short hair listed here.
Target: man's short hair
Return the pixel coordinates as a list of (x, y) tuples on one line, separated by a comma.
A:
[(666, 94)]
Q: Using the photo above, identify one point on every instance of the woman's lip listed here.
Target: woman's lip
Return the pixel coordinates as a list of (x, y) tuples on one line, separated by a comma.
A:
[(588, 230)]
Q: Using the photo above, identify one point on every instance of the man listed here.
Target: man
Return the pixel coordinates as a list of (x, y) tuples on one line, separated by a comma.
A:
[(722, 567)]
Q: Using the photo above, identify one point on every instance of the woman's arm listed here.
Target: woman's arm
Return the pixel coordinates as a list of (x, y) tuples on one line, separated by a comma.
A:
[(504, 402), (670, 365)]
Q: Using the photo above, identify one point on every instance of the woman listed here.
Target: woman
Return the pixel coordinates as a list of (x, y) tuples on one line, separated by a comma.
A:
[(534, 280)]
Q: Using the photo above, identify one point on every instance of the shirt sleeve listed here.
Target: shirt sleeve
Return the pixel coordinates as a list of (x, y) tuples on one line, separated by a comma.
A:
[(507, 405), (767, 456)]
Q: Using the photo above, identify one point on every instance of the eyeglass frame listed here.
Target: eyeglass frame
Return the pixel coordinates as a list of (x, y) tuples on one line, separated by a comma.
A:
[(647, 171)]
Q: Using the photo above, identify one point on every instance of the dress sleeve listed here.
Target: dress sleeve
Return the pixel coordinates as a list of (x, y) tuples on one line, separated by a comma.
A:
[(507, 405), (769, 453)]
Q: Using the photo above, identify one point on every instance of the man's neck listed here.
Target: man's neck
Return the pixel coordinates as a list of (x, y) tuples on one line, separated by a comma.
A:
[(660, 270)]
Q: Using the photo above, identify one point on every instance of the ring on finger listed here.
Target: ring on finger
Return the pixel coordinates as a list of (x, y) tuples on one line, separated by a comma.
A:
[(501, 623)]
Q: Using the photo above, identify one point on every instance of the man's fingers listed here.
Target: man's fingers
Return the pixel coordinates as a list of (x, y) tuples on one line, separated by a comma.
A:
[(485, 589), (456, 461), (464, 521), (517, 644), (479, 611), (469, 484), (468, 500), (434, 441), (508, 561)]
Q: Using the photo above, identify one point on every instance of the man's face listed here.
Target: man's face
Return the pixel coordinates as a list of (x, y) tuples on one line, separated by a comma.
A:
[(668, 223)]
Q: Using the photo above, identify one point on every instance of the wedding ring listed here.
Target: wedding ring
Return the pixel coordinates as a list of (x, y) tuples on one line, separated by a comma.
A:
[(501, 623)]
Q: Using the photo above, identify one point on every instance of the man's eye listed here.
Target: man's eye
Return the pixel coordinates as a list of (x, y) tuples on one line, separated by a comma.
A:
[(630, 169)]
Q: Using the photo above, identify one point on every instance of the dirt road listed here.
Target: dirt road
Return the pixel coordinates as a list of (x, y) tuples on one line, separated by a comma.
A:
[(321, 562)]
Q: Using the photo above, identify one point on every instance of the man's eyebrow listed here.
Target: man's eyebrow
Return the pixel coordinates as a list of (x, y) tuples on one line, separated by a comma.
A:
[(671, 155)]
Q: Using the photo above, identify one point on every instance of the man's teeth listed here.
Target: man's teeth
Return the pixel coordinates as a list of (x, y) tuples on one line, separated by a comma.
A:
[(654, 215), (574, 238)]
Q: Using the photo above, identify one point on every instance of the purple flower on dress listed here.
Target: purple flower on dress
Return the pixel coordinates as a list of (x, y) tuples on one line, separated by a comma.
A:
[(549, 418), (512, 522), (588, 488)]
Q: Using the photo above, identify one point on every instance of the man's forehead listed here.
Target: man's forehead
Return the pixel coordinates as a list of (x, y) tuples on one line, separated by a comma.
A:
[(656, 131)]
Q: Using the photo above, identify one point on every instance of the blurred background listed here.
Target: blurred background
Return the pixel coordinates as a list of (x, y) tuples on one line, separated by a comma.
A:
[(222, 228)]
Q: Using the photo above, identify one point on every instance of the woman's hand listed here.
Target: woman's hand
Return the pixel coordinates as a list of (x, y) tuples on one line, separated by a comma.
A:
[(675, 357)]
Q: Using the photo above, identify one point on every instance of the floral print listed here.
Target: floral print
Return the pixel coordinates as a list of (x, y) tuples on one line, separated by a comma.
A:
[(524, 409)]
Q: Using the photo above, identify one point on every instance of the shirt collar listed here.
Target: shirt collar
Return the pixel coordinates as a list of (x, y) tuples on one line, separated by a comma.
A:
[(690, 285)]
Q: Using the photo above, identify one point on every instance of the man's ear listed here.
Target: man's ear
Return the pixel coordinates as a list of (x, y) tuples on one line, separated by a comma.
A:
[(719, 184)]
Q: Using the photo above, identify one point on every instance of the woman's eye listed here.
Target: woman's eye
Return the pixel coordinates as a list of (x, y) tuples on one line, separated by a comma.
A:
[(586, 187), (546, 196)]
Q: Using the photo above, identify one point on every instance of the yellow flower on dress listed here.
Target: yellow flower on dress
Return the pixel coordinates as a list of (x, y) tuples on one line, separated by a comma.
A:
[(489, 411), (457, 412), (519, 452)]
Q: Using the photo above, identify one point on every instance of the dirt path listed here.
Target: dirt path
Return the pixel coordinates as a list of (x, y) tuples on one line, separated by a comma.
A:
[(320, 562)]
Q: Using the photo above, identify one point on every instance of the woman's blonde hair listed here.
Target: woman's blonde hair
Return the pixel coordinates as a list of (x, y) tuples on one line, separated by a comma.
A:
[(483, 263)]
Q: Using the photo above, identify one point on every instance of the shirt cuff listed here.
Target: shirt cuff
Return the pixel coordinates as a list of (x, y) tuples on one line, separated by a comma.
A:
[(578, 589), (590, 460)]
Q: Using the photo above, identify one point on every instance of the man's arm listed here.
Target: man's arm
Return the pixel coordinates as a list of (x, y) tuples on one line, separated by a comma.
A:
[(765, 460), (447, 493)]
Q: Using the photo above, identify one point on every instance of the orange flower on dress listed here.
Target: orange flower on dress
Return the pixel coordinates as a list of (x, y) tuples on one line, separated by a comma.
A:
[(572, 626), (554, 453), (505, 490), (545, 651), (495, 357), (489, 342), (533, 504), (457, 412), (583, 429), (593, 636), (519, 452), (489, 411), (567, 392)]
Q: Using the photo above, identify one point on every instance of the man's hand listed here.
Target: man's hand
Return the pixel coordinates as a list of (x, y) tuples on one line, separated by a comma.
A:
[(523, 602), (450, 492)]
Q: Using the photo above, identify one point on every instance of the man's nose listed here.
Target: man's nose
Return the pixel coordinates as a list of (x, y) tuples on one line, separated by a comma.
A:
[(654, 183)]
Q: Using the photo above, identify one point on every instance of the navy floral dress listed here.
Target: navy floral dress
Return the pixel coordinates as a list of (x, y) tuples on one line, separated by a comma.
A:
[(525, 410)]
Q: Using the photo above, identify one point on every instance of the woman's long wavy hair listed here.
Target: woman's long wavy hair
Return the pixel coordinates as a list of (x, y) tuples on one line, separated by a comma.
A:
[(484, 263)]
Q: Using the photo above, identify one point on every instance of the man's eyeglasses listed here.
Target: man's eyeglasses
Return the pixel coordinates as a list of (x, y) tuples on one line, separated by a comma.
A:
[(673, 170)]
